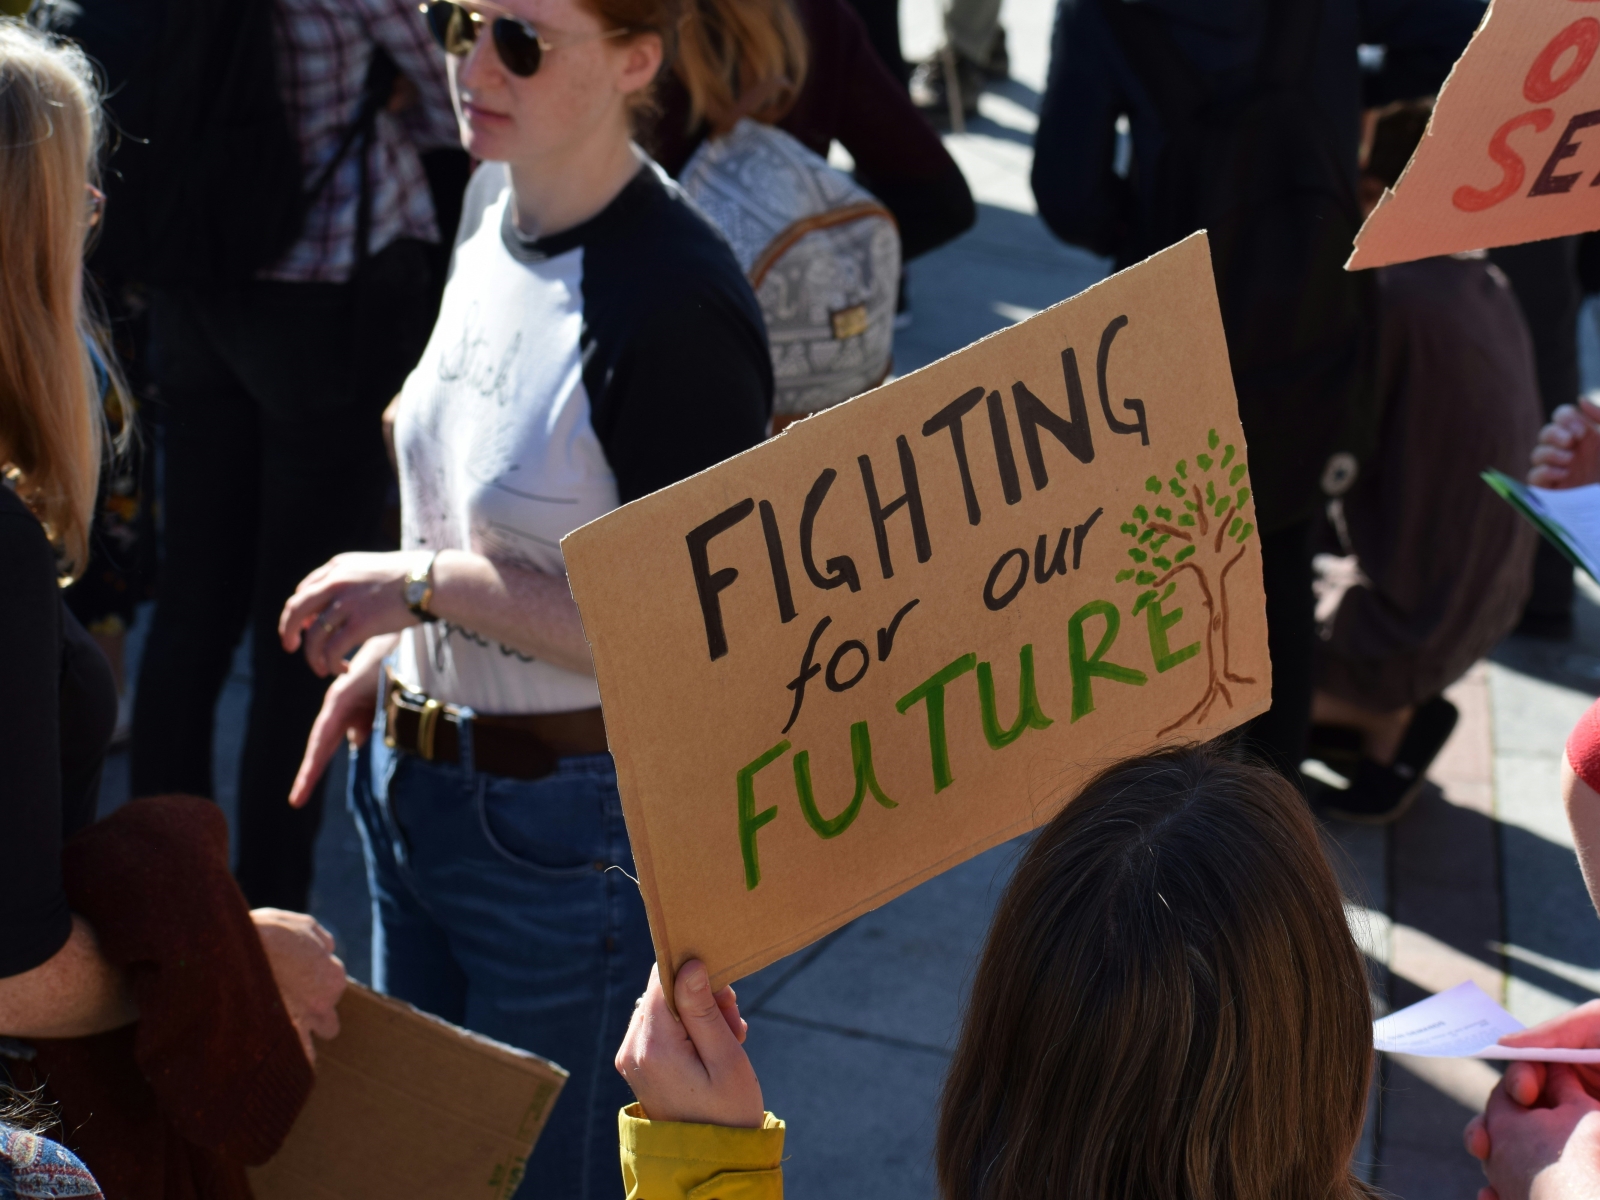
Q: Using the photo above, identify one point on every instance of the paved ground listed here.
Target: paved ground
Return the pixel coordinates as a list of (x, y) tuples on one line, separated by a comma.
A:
[(852, 1036)]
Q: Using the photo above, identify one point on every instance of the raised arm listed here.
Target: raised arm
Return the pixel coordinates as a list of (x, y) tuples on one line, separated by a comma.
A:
[(699, 1128)]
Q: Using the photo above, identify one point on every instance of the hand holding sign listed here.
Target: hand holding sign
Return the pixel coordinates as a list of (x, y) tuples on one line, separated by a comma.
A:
[(1511, 154), (691, 1067), (808, 654)]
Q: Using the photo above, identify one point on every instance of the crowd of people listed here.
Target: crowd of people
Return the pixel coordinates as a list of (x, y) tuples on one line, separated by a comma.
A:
[(322, 322)]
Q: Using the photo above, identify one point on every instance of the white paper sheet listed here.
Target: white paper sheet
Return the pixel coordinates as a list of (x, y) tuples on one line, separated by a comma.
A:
[(1462, 1023), (1577, 511)]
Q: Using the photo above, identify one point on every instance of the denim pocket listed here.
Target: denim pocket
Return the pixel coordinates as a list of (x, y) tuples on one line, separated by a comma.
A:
[(555, 827)]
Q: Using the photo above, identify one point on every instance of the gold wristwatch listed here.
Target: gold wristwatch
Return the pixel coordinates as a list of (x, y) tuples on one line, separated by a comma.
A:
[(418, 589)]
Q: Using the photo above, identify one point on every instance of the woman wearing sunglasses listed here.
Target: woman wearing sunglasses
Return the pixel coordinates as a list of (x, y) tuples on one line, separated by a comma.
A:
[(596, 342)]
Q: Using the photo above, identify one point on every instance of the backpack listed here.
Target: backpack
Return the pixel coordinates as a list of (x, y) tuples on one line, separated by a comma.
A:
[(1251, 160), (204, 176), (822, 254)]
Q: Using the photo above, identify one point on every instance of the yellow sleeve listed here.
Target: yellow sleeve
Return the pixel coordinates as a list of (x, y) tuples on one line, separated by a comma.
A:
[(668, 1160)]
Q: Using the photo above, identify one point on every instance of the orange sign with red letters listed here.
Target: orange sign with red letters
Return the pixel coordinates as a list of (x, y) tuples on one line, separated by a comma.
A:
[(1512, 153)]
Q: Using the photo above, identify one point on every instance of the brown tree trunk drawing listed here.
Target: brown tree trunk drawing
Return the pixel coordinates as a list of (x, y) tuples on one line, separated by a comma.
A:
[(1217, 680)]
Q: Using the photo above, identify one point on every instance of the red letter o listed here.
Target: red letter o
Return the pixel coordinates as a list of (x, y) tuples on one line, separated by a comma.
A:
[(1582, 35)]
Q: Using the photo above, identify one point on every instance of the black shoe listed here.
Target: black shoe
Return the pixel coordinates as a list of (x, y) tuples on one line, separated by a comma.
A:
[(998, 64), (1380, 794), (930, 89)]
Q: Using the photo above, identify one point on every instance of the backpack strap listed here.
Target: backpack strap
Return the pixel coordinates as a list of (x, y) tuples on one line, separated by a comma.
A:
[(375, 92)]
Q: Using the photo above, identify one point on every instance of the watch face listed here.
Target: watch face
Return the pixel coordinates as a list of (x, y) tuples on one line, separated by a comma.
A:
[(416, 589)]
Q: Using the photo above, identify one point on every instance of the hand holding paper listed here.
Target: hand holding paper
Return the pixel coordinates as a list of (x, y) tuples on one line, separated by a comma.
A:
[(1578, 1029), (1551, 1152), (1466, 1023), (1568, 451)]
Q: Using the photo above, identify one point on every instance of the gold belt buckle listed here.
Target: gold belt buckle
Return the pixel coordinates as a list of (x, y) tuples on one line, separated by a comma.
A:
[(427, 724)]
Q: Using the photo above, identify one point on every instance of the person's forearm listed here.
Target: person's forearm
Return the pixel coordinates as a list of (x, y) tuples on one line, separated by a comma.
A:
[(75, 993), (528, 610)]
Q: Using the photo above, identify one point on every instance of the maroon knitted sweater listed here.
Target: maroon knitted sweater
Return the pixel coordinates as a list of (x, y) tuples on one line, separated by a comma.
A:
[(212, 1076)]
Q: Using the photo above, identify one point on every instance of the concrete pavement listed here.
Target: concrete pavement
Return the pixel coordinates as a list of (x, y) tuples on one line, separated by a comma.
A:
[(852, 1036)]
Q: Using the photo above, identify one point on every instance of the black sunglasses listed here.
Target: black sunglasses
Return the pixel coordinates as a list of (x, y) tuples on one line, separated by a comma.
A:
[(518, 44)]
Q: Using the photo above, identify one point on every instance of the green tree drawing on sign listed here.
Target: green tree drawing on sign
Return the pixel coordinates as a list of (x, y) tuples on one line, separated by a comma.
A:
[(1196, 523)]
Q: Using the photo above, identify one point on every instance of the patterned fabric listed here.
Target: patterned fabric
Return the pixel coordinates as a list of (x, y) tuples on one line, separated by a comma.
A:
[(821, 252), (323, 49), (35, 1168)]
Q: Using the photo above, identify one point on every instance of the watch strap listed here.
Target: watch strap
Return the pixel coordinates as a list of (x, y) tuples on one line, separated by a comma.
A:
[(419, 606)]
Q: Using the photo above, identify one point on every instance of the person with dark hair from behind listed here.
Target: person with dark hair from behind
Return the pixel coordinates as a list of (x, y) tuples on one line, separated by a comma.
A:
[(1428, 568), (809, 67), (1244, 119), (1169, 1004)]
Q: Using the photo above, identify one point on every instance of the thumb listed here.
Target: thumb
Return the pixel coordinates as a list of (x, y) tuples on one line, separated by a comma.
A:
[(1524, 1081), (702, 1017)]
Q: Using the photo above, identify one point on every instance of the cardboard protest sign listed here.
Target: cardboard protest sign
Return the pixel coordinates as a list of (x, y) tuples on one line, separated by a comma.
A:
[(909, 627), (409, 1107), (1510, 154)]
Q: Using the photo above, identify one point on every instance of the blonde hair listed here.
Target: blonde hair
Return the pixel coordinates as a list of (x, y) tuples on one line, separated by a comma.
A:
[(52, 426), (741, 58)]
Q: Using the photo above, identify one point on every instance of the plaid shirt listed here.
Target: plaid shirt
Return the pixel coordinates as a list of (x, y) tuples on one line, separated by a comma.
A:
[(323, 48)]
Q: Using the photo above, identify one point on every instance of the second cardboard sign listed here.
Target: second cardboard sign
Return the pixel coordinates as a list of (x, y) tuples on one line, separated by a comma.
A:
[(912, 626), (1511, 154)]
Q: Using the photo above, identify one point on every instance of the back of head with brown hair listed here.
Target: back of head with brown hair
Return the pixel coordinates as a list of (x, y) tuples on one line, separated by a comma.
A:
[(740, 58), (1170, 1005), (736, 58), (50, 419)]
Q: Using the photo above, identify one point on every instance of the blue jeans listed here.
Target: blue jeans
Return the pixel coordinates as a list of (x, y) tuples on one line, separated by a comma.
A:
[(493, 907)]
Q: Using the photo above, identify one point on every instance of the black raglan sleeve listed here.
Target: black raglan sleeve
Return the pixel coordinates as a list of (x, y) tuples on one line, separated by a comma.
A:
[(692, 387)]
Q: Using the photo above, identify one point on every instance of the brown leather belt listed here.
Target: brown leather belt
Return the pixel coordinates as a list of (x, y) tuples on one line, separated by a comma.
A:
[(516, 747)]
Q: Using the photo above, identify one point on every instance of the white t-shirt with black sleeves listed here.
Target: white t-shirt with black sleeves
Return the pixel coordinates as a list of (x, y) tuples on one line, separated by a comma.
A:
[(566, 375)]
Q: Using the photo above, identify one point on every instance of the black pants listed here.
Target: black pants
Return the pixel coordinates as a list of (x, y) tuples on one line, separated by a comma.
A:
[(274, 462), (1279, 735)]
